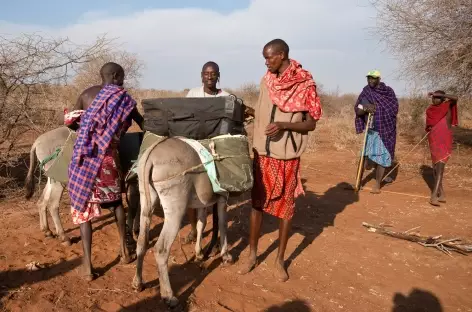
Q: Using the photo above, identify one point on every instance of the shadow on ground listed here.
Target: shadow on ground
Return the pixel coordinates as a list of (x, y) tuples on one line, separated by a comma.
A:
[(417, 300)]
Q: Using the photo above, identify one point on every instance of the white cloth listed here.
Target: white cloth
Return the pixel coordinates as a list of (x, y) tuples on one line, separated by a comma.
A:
[(199, 93)]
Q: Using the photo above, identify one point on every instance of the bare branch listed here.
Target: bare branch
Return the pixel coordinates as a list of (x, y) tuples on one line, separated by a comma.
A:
[(431, 38)]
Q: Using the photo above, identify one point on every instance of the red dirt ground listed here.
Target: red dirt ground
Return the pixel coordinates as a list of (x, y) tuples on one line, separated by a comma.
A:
[(334, 263)]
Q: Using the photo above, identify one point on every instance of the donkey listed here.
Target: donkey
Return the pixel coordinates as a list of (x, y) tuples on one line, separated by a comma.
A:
[(51, 196), (170, 173)]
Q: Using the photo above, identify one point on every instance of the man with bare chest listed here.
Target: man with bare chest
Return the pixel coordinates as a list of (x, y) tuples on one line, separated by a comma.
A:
[(95, 179)]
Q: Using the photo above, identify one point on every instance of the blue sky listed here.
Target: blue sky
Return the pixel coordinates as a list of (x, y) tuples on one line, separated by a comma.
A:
[(61, 13), (174, 38)]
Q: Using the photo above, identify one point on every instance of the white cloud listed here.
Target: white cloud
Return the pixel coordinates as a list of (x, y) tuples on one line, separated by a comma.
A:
[(329, 38)]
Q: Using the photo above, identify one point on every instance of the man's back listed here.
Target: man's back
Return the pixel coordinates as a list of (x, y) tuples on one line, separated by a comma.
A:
[(87, 97)]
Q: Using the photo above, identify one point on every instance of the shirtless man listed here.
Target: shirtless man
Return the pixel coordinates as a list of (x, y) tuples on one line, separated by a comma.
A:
[(106, 112)]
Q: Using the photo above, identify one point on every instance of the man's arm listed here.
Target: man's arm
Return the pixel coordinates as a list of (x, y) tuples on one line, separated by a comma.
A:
[(362, 109), (451, 97), (79, 105), (137, 117), (301, 127)]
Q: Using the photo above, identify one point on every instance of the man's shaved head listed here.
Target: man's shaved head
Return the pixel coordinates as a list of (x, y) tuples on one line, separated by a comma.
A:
[(210, 75), (211, 64), (112, 73), (111, 68), (275, 53), (278, 45)]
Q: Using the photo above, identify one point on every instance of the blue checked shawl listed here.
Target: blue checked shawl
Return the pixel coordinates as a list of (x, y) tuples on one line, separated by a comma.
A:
[(109, 110), (385, 117)]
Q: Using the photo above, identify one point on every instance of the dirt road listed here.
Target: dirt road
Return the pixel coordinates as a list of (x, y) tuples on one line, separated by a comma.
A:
[(334, 263)]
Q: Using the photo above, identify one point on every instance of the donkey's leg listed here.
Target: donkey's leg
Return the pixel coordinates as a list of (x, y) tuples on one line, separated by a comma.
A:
[(143, 238), (42, 206), (132, 221), (53, 205), (223, 227), (174, 203), (201, 224)]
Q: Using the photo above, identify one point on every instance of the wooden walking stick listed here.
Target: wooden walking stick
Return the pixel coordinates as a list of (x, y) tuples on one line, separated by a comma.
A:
[(361, 160)]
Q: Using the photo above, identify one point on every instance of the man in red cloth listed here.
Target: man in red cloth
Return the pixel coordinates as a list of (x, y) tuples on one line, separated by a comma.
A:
[(440, 116), (287, 109)]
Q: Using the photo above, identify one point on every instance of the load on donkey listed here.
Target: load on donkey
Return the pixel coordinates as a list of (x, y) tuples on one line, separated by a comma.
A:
[(196, 153)]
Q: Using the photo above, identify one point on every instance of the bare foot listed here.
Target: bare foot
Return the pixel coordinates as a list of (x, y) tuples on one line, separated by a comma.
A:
[(375, 190), (280, 272), (248, 266), (442, 199), (434, 201), (191, 238)]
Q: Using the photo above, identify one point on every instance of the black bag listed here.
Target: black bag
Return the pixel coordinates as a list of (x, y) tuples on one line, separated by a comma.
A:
[(194, 118)]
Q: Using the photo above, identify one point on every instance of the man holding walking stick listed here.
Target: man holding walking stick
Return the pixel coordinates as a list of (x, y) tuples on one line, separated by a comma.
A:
[(379, 100)]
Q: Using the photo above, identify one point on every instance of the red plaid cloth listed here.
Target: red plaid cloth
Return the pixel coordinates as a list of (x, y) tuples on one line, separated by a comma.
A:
[(294, 91), (277, 184), (107, 187)]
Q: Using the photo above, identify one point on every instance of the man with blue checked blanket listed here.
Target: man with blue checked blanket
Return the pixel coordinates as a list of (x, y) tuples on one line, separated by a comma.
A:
[(380, 100)]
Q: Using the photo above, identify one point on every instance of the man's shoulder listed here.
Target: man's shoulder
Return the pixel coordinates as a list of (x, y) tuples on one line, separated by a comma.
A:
[(95, 88), (194, 92), (224, 93)]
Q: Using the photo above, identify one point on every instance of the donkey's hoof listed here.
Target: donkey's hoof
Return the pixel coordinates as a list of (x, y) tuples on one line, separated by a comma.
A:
[(227, 259), (199, 256), (65, 241), (48, 234), (138, 287), (171, 302)]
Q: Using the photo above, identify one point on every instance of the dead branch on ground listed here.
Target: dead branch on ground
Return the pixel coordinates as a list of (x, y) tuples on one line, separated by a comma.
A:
[(444, 245)]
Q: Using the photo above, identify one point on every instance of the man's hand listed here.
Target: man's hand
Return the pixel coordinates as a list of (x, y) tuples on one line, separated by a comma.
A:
[(273, 129), (369, 108)]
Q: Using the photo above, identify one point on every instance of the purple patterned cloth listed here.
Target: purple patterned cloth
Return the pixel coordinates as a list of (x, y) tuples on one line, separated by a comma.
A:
[(385, 117), (109, 110)]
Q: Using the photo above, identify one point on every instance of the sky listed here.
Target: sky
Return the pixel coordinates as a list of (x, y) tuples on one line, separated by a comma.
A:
[(173, 39)]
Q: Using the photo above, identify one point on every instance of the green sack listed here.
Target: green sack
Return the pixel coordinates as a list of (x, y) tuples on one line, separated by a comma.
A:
[(59, 167), (232, 159), (58, 164)]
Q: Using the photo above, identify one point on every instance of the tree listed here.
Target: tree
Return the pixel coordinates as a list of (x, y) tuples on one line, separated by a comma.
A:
[(32, 68), (432, 38), (89, 73)]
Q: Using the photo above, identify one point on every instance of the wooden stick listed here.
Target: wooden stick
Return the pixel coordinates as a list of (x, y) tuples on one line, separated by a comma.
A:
[(111, 290), (398, 164), (399, 193), (361, 160)]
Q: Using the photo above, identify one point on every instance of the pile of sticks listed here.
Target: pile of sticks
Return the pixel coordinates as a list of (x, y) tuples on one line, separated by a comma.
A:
[(447, 246)]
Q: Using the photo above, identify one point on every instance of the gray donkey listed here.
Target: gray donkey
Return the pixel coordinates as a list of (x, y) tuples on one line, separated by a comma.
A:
[(171, 174), (43, 147)]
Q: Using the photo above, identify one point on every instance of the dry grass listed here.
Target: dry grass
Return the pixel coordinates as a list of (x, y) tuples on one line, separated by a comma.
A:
[(336, 126), (335, 130)]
